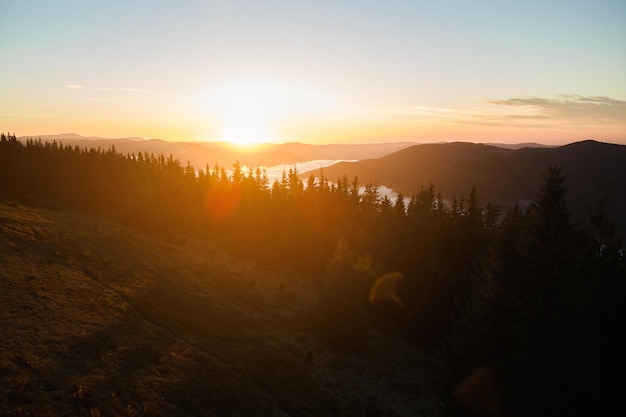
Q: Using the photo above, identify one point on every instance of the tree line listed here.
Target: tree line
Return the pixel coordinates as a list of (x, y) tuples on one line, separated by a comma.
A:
[(528, 295)]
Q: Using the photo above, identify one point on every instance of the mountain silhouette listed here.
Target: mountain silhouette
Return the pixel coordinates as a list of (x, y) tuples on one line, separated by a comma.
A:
[(199, 154), (501, 176)]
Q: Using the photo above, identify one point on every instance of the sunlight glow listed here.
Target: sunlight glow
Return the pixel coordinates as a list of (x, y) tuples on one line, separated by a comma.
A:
[(243, 129), (246, 110), (250, 110)]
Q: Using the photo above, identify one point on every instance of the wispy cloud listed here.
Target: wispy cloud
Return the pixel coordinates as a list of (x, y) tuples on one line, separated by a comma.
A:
[(531, 112), (418, 111), (114, 89), (594, 108)]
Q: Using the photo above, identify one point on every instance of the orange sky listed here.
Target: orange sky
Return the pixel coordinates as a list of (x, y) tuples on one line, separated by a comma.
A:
[(324, 72)]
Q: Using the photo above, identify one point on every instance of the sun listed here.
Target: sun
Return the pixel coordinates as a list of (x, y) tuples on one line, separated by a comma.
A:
[(245, 125), (247, 110), (251, 110)]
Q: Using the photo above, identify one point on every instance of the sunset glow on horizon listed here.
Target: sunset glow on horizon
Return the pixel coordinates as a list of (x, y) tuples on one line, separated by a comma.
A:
[(321, 72)]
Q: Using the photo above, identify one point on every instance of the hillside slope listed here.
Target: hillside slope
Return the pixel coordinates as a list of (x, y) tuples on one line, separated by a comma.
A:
[(100, 319), (501, 176)]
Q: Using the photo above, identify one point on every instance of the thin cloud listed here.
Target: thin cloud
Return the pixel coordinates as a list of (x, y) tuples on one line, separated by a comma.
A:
[(515, 120), (423, 113), (114, 89), (99, 99), (125, 90), (416, 110), (594, 108), (524, 112)]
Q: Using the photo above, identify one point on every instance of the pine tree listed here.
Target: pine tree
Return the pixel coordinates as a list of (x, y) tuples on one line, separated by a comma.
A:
[(529, 315)]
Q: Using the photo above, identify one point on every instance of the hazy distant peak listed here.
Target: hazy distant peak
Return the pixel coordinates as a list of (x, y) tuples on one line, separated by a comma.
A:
[(588, 143), (70, 135), (515, 146)]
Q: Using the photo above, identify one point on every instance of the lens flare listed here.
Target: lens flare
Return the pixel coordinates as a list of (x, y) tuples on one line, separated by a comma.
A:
[(386, 289), (222, 202)]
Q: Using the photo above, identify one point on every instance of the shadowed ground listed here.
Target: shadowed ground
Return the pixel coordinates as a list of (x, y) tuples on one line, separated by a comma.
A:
[(100, 319)]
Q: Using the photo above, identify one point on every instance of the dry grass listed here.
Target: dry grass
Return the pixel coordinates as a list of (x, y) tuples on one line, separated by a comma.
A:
[(97, 319)]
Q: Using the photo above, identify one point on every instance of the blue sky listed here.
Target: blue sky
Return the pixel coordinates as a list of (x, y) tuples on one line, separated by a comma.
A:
[(316, 71)]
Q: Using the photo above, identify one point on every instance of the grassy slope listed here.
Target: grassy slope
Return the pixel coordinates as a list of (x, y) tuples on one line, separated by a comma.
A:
[(100, 319)]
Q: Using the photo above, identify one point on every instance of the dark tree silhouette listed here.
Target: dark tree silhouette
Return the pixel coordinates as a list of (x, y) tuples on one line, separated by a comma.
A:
[(530, 296), (531, 315)]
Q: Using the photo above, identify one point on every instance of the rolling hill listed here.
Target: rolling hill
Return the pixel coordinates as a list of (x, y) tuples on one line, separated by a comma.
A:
[(99, 319), (501, 176)]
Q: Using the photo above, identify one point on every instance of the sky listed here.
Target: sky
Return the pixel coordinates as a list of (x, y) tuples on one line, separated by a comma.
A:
[(320, 71)]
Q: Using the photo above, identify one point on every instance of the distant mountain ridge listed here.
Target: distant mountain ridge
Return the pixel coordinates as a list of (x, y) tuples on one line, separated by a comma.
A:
[(520, 145), (224, 154), (501, 176), (199, 154)]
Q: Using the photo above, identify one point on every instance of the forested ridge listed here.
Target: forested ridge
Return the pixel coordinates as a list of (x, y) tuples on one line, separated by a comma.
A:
[(526, 305), (594, 170)]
